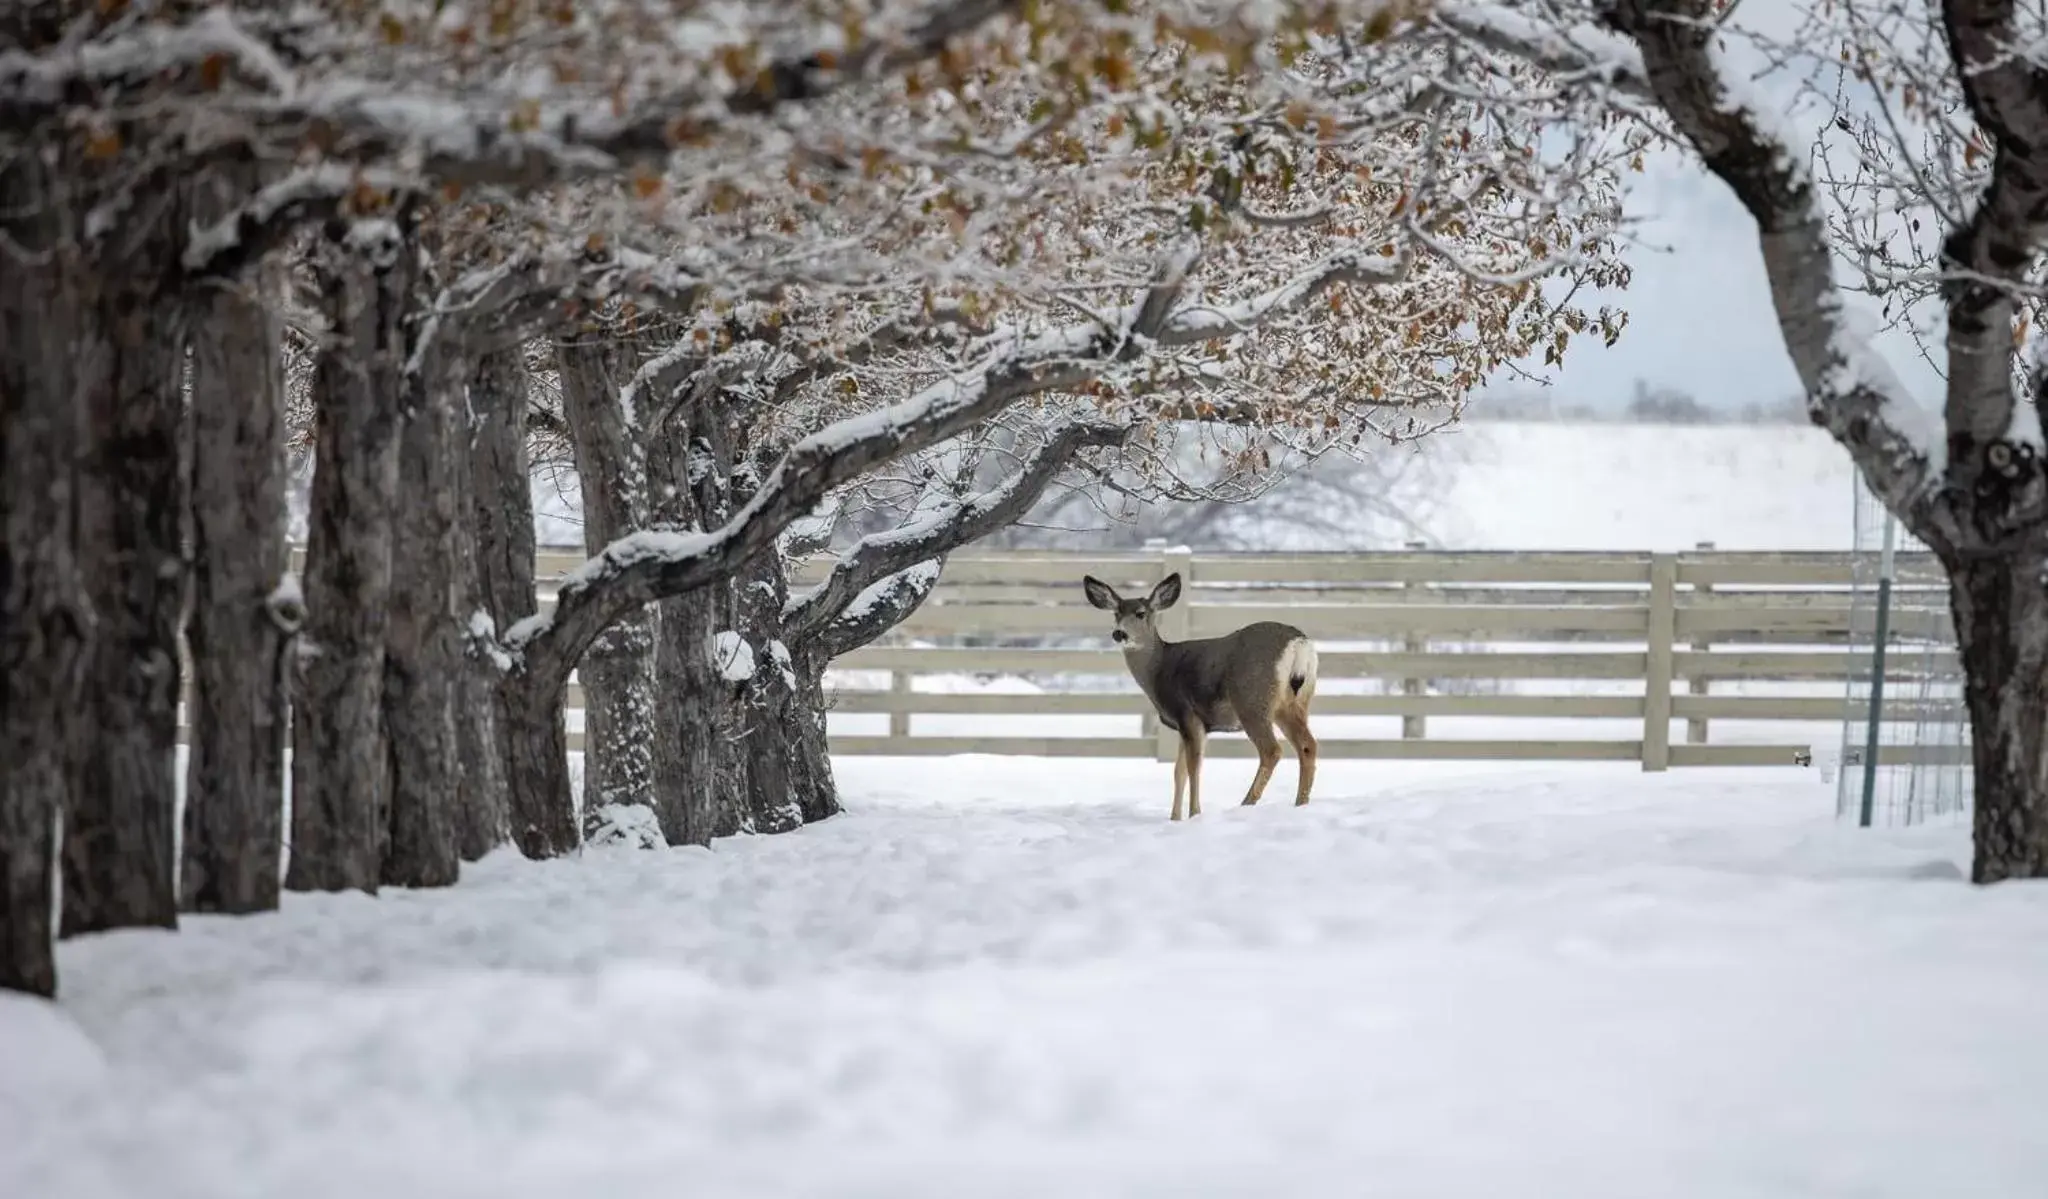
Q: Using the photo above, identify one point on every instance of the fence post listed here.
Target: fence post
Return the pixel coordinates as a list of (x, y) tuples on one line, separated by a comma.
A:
[(1657, 673), (1174, 625), (899, 721), (1414, 725), (1696, 727)]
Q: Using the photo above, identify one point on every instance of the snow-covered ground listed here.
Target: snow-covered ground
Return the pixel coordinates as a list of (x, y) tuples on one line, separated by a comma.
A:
[(1015, 978), (1542, 486)]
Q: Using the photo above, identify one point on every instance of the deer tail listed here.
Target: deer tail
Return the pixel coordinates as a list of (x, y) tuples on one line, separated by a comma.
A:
[(1298, 668)]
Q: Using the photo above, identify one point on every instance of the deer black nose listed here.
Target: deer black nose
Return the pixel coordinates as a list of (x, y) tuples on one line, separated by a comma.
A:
[(1119, 636)]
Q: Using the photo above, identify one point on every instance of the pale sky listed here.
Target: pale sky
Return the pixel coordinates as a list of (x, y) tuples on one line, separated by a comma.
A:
[(1699, 309)]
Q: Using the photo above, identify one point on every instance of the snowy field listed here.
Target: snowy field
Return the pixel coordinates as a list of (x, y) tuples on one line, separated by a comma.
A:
[(1539, 486), (1015, 978)]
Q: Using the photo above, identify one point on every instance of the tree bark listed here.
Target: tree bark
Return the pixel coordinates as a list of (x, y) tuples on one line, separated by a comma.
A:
[(543, 818), (498, 568), (45, 617), (2001, 617), (719, 487), (686, 685), (242, 621), (423, 647), (771, 738), (340, 760), (119, 840), (617, 671), (816, 791)]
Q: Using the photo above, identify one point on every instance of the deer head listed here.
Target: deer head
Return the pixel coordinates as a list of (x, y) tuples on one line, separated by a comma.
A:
[(1135, 629)]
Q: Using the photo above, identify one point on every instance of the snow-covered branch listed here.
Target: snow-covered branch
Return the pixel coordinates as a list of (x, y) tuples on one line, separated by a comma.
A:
[(1199, 323), (883, 554), (1576, 51), (648, 566), (140, 55), (644, 567), (881, 606)]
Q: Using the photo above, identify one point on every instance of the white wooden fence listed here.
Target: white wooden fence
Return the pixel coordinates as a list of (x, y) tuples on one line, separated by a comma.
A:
[(1547, 656)]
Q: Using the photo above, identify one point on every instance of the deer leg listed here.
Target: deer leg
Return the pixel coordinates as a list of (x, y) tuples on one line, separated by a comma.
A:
[(1294, 723), (1180, 777), (1191, 739), (1260, 731)]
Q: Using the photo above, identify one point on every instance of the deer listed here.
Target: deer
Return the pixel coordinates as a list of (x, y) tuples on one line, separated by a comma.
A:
[(1262, 675)]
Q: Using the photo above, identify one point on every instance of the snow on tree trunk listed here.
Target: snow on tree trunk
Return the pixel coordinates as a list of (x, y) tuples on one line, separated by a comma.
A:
[(770, 738), (45, 618), (496, 568), (423, 650), (2001, 615), (244, 613), (340, 760), (127, 345), (617, 671)]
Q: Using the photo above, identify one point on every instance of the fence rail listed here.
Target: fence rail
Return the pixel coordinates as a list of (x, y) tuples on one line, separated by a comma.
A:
[(1542, 656)]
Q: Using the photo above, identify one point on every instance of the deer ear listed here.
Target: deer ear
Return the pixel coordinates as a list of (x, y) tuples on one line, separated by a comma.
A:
[(1167, 593), (1101, 594)]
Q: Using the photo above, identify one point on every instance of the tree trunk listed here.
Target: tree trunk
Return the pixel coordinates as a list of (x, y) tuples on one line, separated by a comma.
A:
[(772, 735), (423, 658), (813, 788), (45, 617), (543, 815), (617, 672), (497, 569), (119, 840), (242, 622), (2001, 617), (720, 485), (340, 763), (687, 687)]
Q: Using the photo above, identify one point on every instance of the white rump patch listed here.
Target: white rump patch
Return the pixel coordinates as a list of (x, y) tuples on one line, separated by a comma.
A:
[(1297, 662)]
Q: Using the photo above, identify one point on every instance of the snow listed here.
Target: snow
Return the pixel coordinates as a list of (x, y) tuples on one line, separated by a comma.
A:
[(1563, 486), (625, 826), (483, 635), (778, 653), (919, 578), (1004, 977), (735, 658), (634, 548), (1201, 322), (143, 52)]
